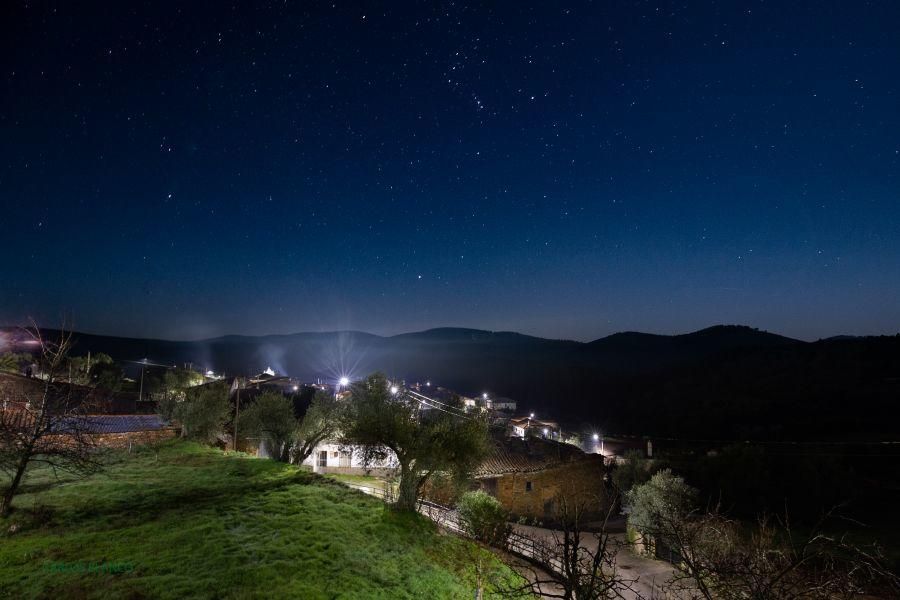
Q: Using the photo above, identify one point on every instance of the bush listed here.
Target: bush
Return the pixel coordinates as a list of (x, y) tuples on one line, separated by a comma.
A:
[(484, 518), (443, 489), (656, 507)]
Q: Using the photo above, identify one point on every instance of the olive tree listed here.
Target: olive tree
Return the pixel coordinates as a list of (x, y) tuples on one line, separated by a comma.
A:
[(320, 423), (423, 441), (45, 421), (271, 419), (203, 412)]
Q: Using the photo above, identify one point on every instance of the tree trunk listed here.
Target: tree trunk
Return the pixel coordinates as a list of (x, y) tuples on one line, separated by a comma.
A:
[(406, 499), (10, 492)]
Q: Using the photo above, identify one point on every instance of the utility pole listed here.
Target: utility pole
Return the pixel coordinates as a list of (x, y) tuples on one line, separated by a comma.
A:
[(237, 412)]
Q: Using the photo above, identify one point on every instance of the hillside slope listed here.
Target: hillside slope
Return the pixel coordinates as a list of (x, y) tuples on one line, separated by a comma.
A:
[(200, 524)]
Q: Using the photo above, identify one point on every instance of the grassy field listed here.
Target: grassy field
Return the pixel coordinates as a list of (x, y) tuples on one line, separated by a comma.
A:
[(194, 523)]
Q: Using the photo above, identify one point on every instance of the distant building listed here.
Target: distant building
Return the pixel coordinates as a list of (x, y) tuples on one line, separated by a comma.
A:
[(527, 427), (503, 405)]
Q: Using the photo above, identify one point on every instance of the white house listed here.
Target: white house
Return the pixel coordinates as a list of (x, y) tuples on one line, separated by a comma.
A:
[(504, 404), (330, 457)]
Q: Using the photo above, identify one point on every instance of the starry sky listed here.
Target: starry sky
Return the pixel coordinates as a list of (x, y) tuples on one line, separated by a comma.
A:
[(567, 170)]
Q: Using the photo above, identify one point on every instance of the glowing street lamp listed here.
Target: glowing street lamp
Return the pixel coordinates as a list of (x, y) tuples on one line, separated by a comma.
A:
[(484, 395), (344, 381), (596, 437), (531, 416), (546, 431), (394, 390)]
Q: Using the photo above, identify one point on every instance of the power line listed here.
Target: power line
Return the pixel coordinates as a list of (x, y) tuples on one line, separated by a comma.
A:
[(424, 400)]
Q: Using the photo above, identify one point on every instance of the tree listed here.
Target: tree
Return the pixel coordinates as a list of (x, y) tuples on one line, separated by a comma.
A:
[(654, 507), (724, 559), (271, 418), (320, 423), (423, 441), (719, 558), (45, 423), (204, 412), (582, 564), (634, 470), (107, 376), (9, 363)]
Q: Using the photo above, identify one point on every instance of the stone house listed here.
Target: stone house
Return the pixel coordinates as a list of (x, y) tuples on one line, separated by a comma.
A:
[(532, 476)]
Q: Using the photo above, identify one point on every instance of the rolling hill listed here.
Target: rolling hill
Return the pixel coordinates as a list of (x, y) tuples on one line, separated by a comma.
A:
[(723, 382)]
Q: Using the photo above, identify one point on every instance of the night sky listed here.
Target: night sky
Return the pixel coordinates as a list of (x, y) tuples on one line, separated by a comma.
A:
[(562, 170)]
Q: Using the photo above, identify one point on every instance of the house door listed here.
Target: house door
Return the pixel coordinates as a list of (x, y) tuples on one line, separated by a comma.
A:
[(323, 458)]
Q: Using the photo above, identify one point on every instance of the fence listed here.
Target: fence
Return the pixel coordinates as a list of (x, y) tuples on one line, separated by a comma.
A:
[(538, 551)]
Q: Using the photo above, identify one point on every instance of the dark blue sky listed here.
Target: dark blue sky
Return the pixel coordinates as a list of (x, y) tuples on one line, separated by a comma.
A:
[(564, 170)]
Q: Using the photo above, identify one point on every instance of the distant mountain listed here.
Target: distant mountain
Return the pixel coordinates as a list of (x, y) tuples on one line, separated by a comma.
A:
[(720, 382)]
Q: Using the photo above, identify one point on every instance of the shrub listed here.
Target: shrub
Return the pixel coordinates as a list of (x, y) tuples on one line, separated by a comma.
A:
[(443, 489), (484, 518), (655, 508)]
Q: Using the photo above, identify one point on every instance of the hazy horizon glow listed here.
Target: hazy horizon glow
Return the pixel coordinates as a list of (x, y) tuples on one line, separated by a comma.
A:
[(565, 172)]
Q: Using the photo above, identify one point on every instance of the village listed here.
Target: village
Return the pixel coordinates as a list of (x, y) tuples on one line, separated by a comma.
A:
[(571, 513)]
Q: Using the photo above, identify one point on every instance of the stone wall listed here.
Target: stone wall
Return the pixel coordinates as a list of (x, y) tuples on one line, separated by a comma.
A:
[(134, 438), (537, 494), (371, 472)]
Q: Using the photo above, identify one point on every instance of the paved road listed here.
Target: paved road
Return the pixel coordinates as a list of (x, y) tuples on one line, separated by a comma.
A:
[(649, 575)]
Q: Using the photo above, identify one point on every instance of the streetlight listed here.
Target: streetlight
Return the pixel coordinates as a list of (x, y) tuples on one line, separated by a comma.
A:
[(342, 382), (394, 390), (545, 431), (596, 437), (531, 416)]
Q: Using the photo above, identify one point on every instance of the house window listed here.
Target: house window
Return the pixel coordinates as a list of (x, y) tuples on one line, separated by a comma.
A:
[(334, 454), (527, 486), (323, 458)]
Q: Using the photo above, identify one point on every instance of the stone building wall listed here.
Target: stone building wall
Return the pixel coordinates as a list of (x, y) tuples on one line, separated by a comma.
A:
[(536, 494)]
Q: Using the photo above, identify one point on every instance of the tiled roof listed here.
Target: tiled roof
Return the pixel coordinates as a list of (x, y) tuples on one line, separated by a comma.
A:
[(125, 423), (517, 455)]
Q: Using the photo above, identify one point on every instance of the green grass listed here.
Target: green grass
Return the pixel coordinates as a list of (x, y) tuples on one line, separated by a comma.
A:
[(368, 480), (196, 523)]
